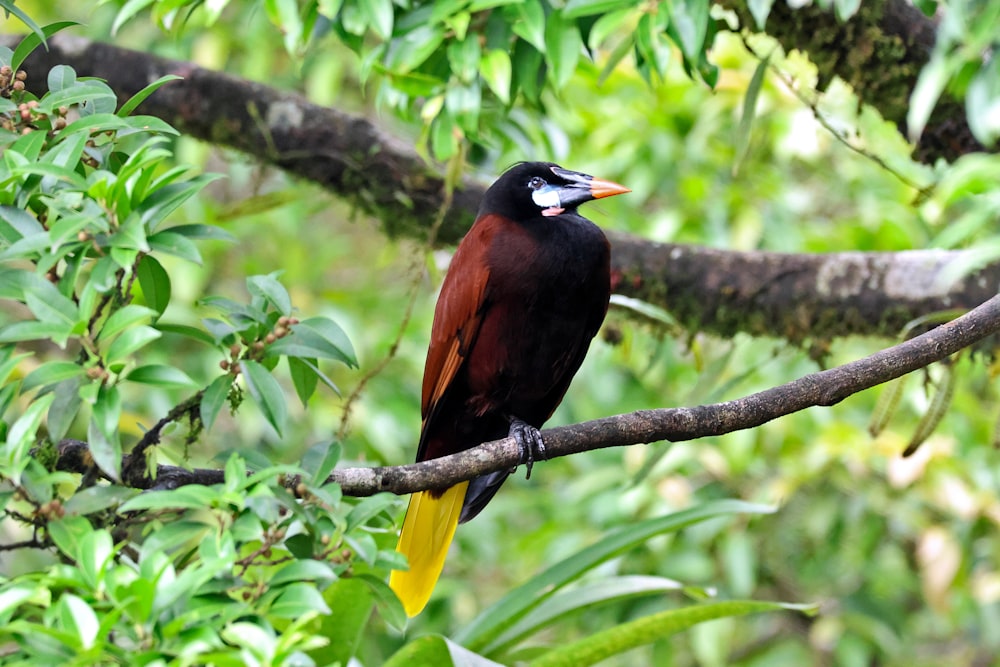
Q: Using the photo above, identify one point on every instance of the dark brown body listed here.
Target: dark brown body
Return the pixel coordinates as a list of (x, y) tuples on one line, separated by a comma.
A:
[(519, 307)]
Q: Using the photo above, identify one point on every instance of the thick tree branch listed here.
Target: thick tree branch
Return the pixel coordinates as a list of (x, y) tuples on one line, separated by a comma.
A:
[(764, 294), (824, 388), (797, 297)]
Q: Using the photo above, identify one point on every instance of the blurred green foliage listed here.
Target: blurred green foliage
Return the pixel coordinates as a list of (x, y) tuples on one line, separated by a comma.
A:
[(901, 555)]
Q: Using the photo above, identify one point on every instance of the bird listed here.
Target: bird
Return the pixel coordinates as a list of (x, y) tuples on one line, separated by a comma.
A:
[(526, 291)]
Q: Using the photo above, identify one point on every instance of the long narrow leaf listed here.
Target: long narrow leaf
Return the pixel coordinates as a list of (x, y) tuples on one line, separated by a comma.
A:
[(587, 596), (36, 38), (501, 616), (749, 113), (137, 99), (648, 629)]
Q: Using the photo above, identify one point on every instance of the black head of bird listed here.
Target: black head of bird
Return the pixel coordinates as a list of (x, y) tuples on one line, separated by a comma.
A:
[(527, 290), (529, 189)]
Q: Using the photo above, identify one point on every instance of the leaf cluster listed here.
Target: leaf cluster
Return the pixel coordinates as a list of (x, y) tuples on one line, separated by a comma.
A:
[(236, 574)]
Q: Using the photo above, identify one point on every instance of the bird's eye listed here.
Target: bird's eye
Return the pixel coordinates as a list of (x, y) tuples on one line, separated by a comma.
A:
[(536, 183)]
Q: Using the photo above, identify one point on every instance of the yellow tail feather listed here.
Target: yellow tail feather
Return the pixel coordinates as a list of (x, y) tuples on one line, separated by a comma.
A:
[(427, 531)]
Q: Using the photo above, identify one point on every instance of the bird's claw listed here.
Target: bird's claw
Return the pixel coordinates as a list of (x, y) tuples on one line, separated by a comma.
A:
[(529, 441)]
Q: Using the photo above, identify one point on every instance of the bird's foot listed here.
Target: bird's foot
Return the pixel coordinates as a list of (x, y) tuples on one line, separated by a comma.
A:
[(530, 442)]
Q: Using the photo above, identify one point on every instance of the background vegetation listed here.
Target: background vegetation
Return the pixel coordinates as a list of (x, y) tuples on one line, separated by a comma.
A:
[(156, 282)]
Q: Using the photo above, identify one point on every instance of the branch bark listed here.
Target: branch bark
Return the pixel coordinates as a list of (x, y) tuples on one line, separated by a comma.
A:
[(824, 388), (798, 297)]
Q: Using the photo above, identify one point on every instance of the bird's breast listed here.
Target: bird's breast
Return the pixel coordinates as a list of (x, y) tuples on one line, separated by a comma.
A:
[(545, 300), (548, 259)]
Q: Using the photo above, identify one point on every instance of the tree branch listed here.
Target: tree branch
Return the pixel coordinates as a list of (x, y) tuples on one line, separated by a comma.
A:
[(715, 291), (797, 297), (824, 388)]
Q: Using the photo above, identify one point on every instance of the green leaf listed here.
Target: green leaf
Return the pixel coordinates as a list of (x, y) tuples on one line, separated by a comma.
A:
[(316, 337), (214, 398), (303, 570), (16, 224), (586, 596), (96, 552), (444, 143), (64, 409), (175, 244), (513, 606), (198, 231), (379, 16), (123, 318), (577, 8), (193, 333), (321, 459), (161, 375), (48, 304), (645, 630), (68, 532), (9, 361), (529, 71), (930, 84), (84, 91), (320, 375), (14, 595), (285, 14), (609, 28), (368, 508), (191, 496), (128, 10), (50, 373), (21, 437), (266, 393), (155, 208), (297, 600), (304, 378), (53, 172), (463, 57), (351, 601), (389, 606), (564, 47), (845, 9), (495, 69), (65, 229), (137, 99), (760, 10), (97, 499), (644, 309), (61, 76), (154, 283), (58, 333), (78, 618), (35, 39), (689, 20), (982, 102), (131, 340), (528, 22), (102, 432), (268, 287), (409, 51), (437, 651), (480, 5), (749, 112)]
